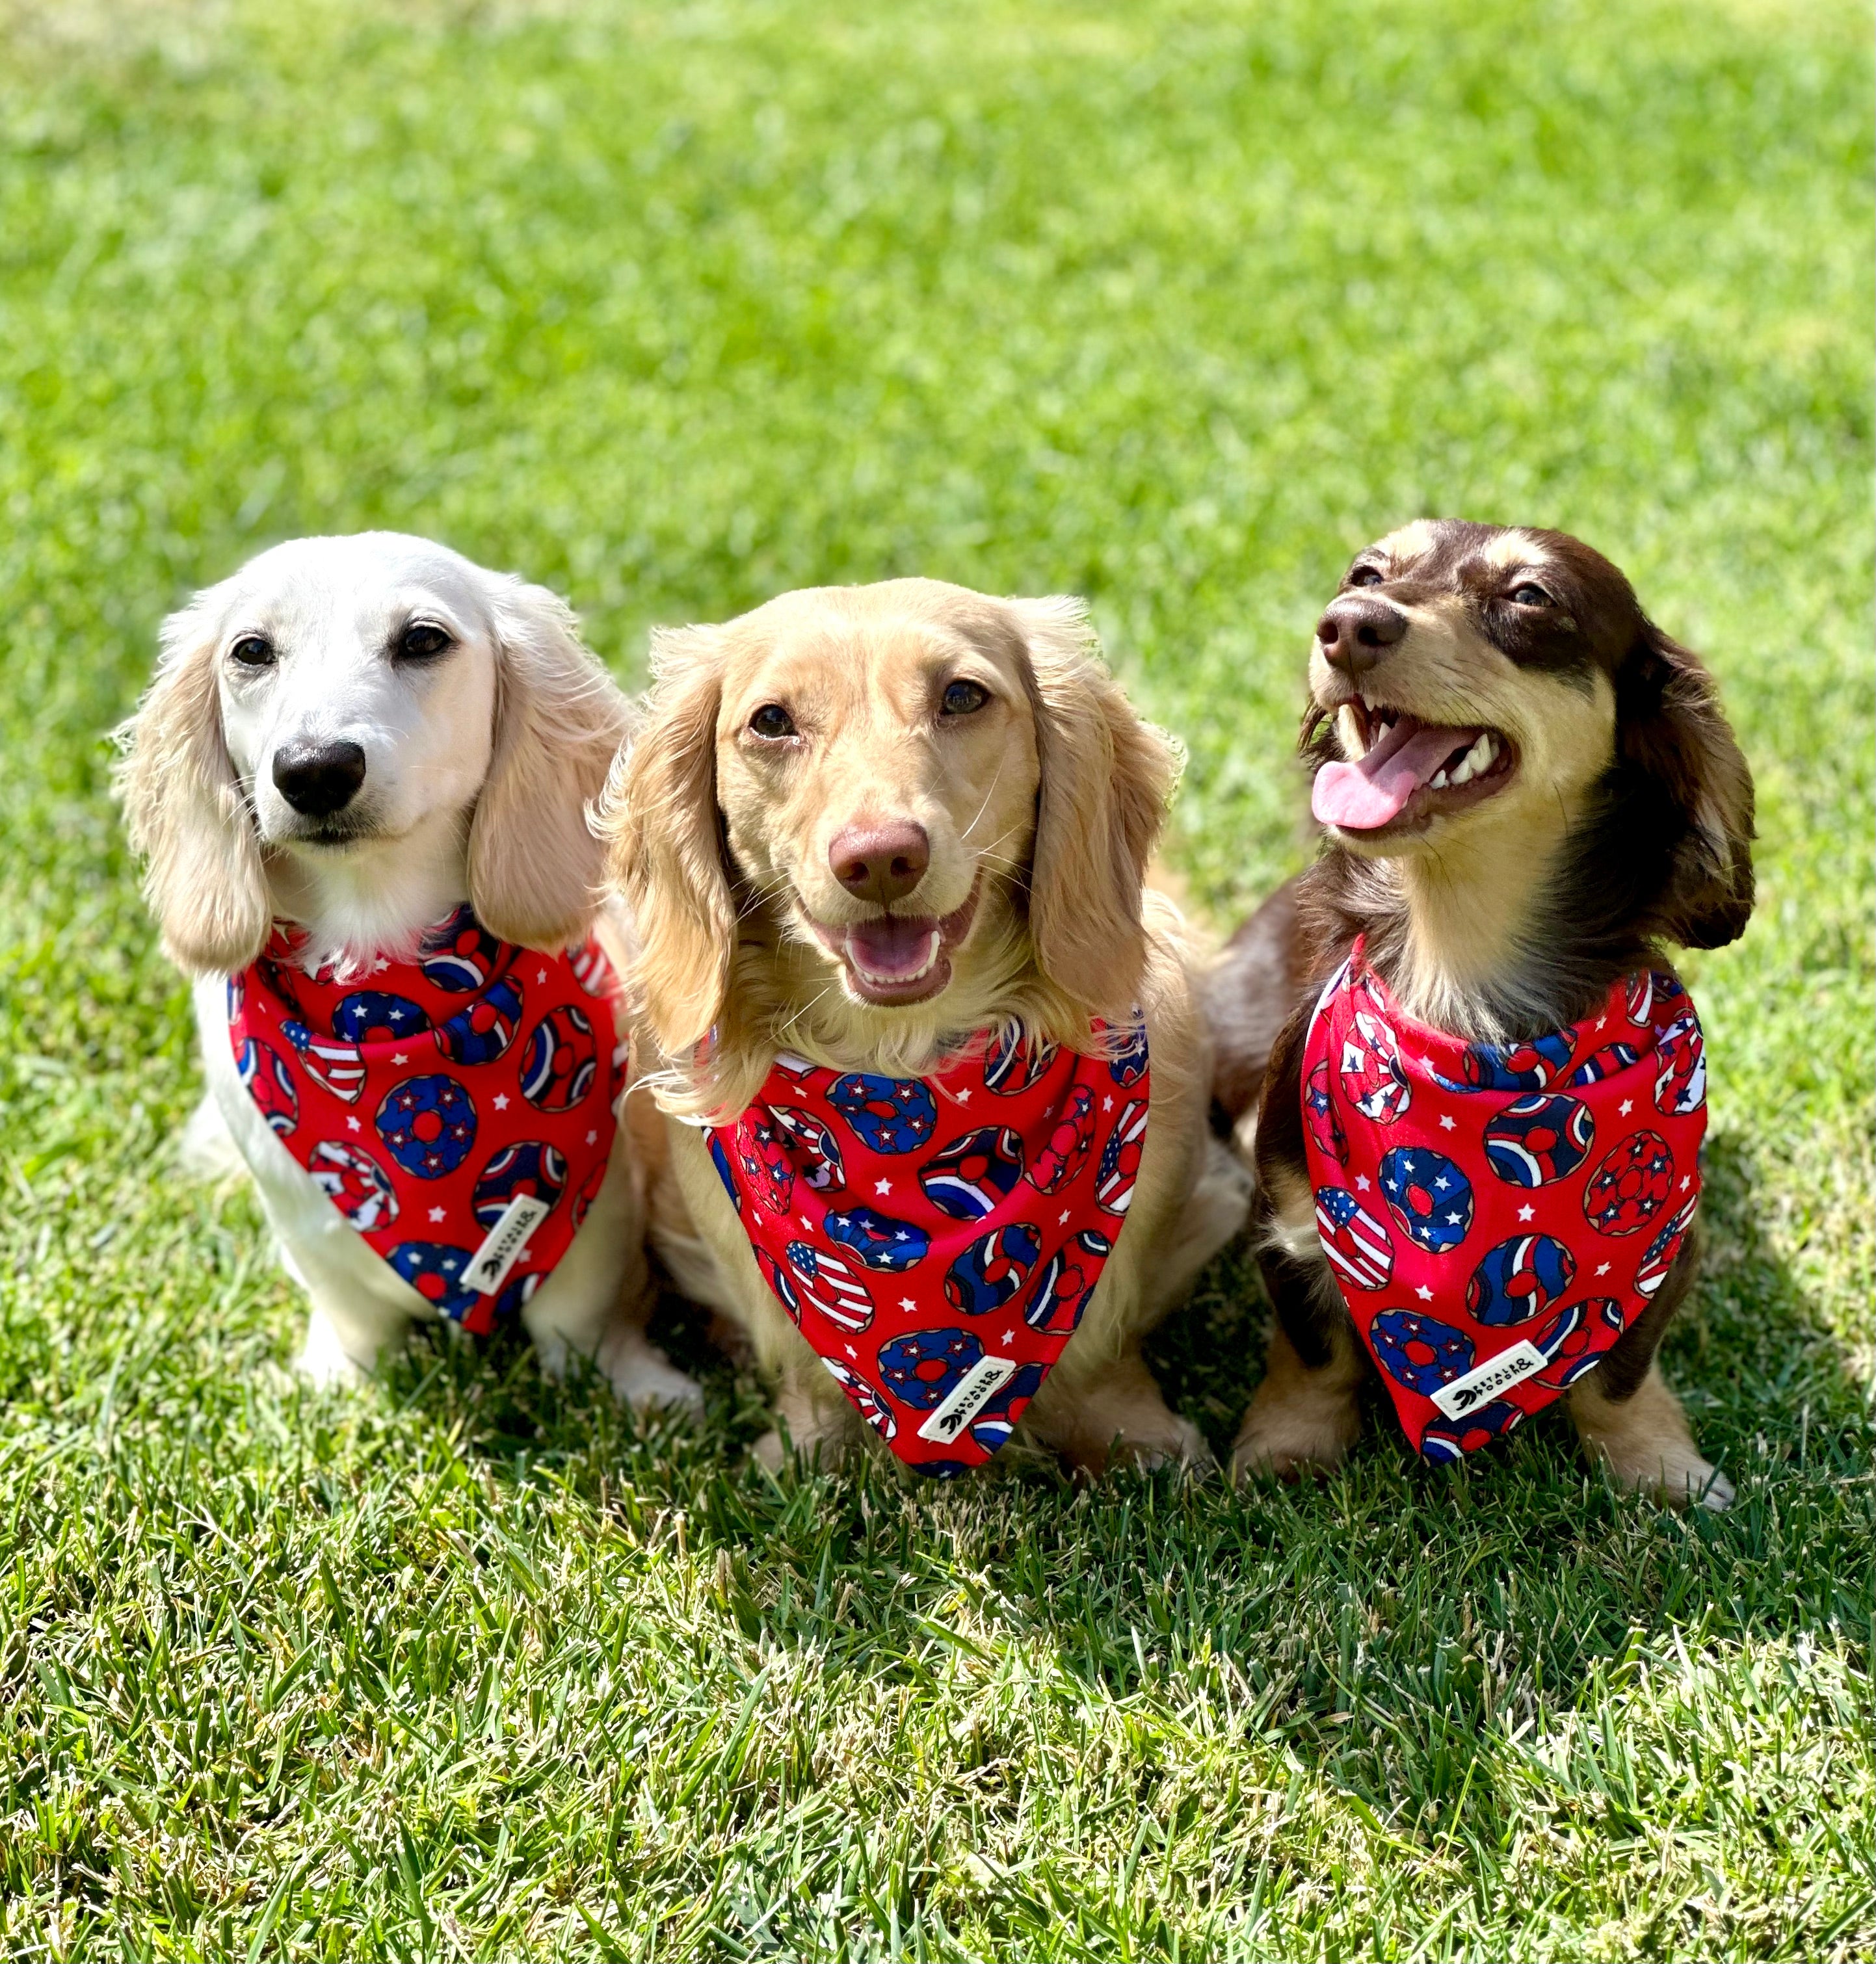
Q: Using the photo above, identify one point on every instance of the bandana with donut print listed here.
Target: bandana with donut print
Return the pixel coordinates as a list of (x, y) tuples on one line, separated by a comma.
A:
[(1495, 1215), (937, 1239), (456, 1108)]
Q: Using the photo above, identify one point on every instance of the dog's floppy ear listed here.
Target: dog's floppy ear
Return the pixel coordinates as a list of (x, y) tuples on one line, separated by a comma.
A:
[(668, 854), (187, 814), (534, 863), (1670, 728), (1107, 779)]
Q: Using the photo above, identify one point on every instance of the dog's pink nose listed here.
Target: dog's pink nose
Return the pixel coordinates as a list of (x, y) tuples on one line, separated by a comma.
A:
[(1357, 630), (880, 862)]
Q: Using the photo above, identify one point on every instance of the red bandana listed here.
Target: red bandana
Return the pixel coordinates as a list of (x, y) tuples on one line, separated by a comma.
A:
[(939, 1287), (465, 1153), (1496, 1216)]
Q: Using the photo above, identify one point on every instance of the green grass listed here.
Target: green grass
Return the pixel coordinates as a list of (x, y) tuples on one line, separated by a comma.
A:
[(673, 308)]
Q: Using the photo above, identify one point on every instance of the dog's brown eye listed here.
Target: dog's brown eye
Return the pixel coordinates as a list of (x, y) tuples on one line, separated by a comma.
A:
[(421, 641), (964, 698), (253, 651), (1365, 576), (1528, 595), (772, 720)]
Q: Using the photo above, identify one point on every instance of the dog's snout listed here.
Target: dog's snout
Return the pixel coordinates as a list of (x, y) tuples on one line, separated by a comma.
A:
[(318, 779), (880, 862), (1357, 630)]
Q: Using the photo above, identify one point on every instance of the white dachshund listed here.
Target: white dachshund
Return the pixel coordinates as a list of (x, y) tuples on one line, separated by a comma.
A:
[(360, 779)]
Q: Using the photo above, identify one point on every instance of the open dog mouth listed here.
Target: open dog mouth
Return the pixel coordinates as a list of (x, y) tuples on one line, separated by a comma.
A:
[(1411, 773), (894, 959)]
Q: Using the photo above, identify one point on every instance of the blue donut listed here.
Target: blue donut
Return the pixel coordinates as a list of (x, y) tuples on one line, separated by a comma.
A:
[(923, 1367), (1610, 1061), (992, 1268), (1420, 1352), (887, 1115), (878, 1240), (561, 1060), (1428, 1195), (529, 1167), (968, 1179), (941, 1469), (459, 954), (263, 1070), (781, 1283), (514, 1298), (1533, 1065), (1536, 1140), (1576, 1340), (375, 1015), (429, 1125), (481, 1032), (434, 1270), (1519, 1279), (1015, 1060), (1128, 1065), (1447, 1439), (720, 1159), (992, 1426)]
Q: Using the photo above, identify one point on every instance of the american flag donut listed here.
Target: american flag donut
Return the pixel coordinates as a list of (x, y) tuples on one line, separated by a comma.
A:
[(263, 1070), (561, 1061), (1536, 1140), (376, 1015), (832, 1283), (878, 1240), (973, 1175), (354, 1183), (1638, 998), (1420, 1352), (866, 1400), (1015, 1060), (334, 1067), (1631, 1185), (1120, 1158), (993, 1268), (1070, 1142), (459, 955), (1519, 1279), (1610, 1061), (1428, 1195), (1681, 1083), (1664, 1250), (428, 1124), (435, 1269), (923, 1368), (528, 1167), (887, 1115), (1447, 1439), (1358, 1247), (818, 1161), (481, 1031), (1319, 1112), (1533, 1065)]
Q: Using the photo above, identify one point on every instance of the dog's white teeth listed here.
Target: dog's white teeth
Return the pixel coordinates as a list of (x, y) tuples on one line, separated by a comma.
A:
[(1486, 749), (1437, 781), (1463, 771)]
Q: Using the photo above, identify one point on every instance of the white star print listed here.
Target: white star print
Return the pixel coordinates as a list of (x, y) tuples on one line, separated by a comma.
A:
[(1442, 1181), (436, 1214), (851, 1352), (1425, 1294), (1525, 1213), (906, 1302), (964, 1096), (398, 1057), (1107, 1104), (1628, 1105), (882, 1186), (1062, 1220), (1447, 1123), (1602, 1268), (1455, 1218), (352, 1125), (592, 1138), (806, 1222), (379, 966), (501, 1101), (1686, 1180), (540, 975), (1361, 1182)]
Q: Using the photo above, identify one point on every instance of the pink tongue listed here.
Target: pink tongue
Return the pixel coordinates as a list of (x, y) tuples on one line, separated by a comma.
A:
[(1364, 795), (891, 949)]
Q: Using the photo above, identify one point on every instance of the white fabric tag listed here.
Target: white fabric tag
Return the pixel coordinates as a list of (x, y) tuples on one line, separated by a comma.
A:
[(1481, 1386), (986, 1377), (489, 1265)]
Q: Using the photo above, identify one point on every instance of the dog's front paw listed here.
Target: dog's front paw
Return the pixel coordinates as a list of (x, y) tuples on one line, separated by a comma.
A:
[(649, 1382), (1287, 1437), (1674, 1478), (324, 1361)]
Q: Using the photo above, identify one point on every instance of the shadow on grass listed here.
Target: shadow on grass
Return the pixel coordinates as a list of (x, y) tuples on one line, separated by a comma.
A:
[(1379, 1622)]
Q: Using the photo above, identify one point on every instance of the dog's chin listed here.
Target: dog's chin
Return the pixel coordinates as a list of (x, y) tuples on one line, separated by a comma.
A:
[(894, 961)]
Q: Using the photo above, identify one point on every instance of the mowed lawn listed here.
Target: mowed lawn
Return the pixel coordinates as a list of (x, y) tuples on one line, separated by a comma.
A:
[(675, 307)]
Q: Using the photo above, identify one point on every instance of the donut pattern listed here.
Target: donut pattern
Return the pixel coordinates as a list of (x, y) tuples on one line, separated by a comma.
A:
[(1528, 1198)]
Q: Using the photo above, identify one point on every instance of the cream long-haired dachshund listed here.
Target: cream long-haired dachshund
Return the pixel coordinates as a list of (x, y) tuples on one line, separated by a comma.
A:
[(882, 848), (360, 780)]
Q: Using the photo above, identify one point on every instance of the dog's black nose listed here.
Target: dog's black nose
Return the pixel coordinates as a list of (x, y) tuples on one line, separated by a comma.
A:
[(881, 862), (1357, 630), (318, 779)]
